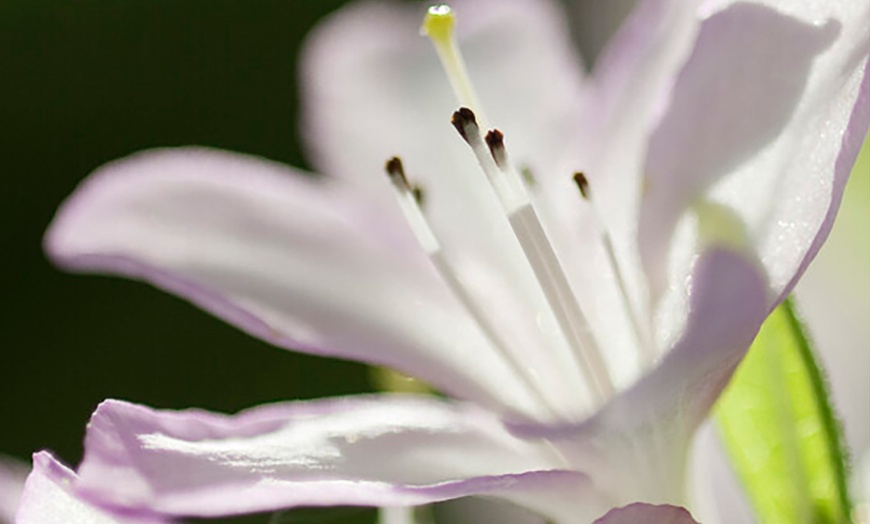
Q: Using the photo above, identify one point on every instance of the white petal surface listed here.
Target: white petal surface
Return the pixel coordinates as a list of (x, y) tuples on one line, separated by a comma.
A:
[(49, 498), (282, 256), (12, 477), (632, 82), (381, 451), (374, 88), (630, 85), (769, 108)]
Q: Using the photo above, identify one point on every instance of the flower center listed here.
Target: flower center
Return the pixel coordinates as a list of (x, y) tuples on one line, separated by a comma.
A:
[(507, 183)]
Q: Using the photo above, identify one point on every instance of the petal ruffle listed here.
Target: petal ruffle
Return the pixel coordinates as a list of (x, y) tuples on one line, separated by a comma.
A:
[(49, 498), (768, 115), (375, 451), (647, 514), (283, 257)]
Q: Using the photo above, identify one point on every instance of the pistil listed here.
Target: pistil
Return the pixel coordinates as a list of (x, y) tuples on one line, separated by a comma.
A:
[(439, 25)]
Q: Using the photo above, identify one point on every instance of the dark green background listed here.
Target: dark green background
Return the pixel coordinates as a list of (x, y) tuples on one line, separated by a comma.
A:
[(83, 82)]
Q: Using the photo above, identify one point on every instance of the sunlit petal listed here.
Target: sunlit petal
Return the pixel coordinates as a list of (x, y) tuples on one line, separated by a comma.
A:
[(376, 451)]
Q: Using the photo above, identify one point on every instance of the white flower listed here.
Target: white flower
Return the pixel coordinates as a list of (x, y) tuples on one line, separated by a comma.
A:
[(591, 334)]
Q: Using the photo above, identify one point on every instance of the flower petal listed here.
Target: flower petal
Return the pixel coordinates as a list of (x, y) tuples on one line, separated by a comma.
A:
[(12, 477), (647, 514), (374, 88), (635, 448), (764, 107), (631, 82), (49, 498), (371, 451), (283, 257)]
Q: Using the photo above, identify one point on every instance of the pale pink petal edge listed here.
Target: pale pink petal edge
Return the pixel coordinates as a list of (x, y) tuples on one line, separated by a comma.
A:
[(853, 139), (200, 424)]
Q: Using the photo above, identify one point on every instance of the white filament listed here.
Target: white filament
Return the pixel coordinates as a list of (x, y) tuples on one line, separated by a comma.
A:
[(641, 330), (507, 184), (430, 244), (545, 264)]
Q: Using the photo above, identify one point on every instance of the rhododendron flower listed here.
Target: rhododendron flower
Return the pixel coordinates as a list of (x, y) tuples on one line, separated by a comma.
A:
[(584, 278)]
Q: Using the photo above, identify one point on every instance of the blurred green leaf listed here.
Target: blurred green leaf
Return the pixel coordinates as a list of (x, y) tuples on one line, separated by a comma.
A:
[(780, 431)]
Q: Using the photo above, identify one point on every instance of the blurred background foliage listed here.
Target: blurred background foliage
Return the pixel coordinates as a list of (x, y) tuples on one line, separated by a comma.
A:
[(87, 81)]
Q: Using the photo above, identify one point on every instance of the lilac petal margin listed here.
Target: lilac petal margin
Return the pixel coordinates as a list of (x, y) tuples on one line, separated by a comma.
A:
[(647, 514), (389, 450), (50, 498), (852, 140)]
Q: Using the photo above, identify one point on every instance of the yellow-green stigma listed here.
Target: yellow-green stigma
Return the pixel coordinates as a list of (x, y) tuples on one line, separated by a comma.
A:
[(438, 23)]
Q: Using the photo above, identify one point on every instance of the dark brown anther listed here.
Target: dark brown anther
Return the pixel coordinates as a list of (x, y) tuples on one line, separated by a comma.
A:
[(462, 118), (582, 184), (396, 171), (495, 141)]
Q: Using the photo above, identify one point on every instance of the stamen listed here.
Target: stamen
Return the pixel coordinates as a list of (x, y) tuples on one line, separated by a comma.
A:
[(410, 208), (582, 184), (464, 118), (429, 242), (439, 25), (495, 142), (509, 189), (396, 170), (641, 334), (539, 251)]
